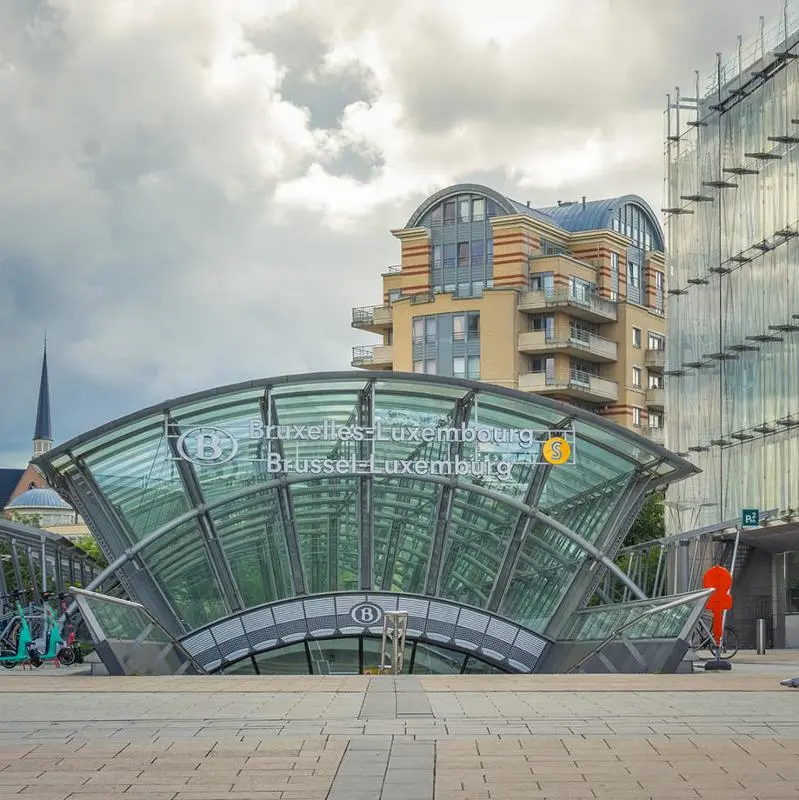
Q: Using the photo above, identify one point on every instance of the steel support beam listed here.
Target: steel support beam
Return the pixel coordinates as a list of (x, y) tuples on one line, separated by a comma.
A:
[(32, 572), (365, 417), (436, 479), (105, 521), (588, 577), (523, 524), (446, 496), (284, 502), (217, 558)]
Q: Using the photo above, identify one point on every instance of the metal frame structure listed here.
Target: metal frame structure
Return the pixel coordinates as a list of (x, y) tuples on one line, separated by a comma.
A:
[(732, 222), (64, 562), (159, 514)]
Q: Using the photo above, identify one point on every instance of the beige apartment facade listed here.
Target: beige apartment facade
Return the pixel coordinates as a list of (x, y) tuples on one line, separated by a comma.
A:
[(566, 302)]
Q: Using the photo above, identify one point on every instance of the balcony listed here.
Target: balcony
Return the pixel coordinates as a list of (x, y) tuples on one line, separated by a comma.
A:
[(657, 435), (583, 345), (579, 385), (373, 356), (372, 318), (656, 397), (584, 305), (655, 359)]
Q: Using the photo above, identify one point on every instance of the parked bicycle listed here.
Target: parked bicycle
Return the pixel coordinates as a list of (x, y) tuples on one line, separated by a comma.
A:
[(702, 640)]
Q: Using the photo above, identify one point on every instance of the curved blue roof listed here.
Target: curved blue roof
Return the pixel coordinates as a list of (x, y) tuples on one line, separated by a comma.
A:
[(597, 214), (40, 498), (572, 217)]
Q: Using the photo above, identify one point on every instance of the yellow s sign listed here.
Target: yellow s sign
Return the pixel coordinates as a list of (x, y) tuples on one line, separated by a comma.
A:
[(556, 450)]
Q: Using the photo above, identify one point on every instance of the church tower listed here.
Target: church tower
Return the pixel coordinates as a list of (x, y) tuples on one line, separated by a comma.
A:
[(43, 433)]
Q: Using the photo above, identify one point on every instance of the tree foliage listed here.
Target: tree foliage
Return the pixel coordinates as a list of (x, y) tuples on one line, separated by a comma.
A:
[(650, 523), (91, 548)]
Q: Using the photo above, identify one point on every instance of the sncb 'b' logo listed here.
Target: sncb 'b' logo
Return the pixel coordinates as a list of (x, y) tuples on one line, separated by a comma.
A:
[(367, 614), (556, 450), (207, 446)]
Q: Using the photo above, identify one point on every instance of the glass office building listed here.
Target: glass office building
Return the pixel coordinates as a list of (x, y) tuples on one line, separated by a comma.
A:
[(269, 525), (732, 221)]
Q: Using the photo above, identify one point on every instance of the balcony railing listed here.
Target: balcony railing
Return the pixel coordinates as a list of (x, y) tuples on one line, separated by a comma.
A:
[(577, 383), (590, 303), (656, 397), (655, 358), (393, 269), (372, 317), (580, 343), (379, 356), (655, 434), (422, 297)]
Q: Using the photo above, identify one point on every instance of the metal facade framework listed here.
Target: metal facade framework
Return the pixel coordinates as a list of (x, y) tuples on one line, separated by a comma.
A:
[(733, 234), (40, 560), (204, 545)]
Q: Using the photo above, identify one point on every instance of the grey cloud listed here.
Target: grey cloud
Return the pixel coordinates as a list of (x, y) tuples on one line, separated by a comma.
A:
[(300, 45), (580, 78), (136, 215)]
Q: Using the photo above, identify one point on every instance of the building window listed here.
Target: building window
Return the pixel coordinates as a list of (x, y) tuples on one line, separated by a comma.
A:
[(430, 329), (655, 419), (458, 328), (437, 216), (450, 254), (463, 254), (474, 368), (394, 295), (478, 209), (636, 377), (437, 255), (418, 329), (449, 212), (430, 366), (463, 209), (636, 417), (632, 273), (459, 366), (655, 381), (614, 276), (637, 337), (541, 322), (542, 282), (490, 253), (656, 342), (473, 326), (478, 251), (418, 366), (538, 364), (792, 582)]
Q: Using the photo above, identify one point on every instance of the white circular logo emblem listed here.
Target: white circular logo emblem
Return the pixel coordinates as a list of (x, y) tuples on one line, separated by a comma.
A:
[(367, 614), (207, 446)]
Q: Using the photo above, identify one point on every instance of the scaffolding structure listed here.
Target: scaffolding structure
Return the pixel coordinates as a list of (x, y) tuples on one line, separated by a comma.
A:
[(732, 223)]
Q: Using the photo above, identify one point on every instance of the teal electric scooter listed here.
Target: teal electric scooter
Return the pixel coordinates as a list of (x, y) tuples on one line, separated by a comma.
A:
[(51, 644), (26, 647)]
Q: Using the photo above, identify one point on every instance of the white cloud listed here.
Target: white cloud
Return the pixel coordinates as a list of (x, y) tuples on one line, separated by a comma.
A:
[(196, 191)]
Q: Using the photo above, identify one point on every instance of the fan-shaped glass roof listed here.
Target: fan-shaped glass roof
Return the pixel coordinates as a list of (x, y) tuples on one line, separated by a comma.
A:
[(208, 515)]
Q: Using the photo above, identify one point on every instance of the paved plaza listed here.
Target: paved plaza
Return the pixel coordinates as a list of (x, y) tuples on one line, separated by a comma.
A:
[(731, 735)]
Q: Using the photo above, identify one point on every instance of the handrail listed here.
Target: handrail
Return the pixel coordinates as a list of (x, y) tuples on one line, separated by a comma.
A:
[(694, 596), (590, 300)]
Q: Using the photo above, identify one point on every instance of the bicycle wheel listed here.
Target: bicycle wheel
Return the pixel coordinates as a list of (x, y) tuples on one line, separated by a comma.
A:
[(8, 664), (698, 640), (729, 645)]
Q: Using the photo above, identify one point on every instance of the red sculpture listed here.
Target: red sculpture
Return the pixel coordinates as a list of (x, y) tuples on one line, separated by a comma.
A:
[(720, 579)]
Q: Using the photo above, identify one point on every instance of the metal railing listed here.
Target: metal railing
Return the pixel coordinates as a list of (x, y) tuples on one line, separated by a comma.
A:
[(369, 315), (590, 301), (393, 269)]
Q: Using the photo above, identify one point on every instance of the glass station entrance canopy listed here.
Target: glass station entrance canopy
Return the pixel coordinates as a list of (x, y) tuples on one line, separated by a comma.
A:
[(262, 516)]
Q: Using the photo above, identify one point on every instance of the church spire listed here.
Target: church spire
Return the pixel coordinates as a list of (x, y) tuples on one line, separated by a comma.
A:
[(43, 433)]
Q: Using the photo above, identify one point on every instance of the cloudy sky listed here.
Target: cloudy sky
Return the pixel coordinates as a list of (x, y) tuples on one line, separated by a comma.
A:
[(196, 192)]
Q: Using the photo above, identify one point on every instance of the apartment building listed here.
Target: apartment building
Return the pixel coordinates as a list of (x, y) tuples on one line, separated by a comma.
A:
[(566, 301)]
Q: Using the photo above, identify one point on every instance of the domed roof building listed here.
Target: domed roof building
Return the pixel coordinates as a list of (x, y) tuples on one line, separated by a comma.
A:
[(25, 495)]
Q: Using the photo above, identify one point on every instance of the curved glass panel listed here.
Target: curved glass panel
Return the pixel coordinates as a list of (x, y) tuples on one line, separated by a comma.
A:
[(224, 489)]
